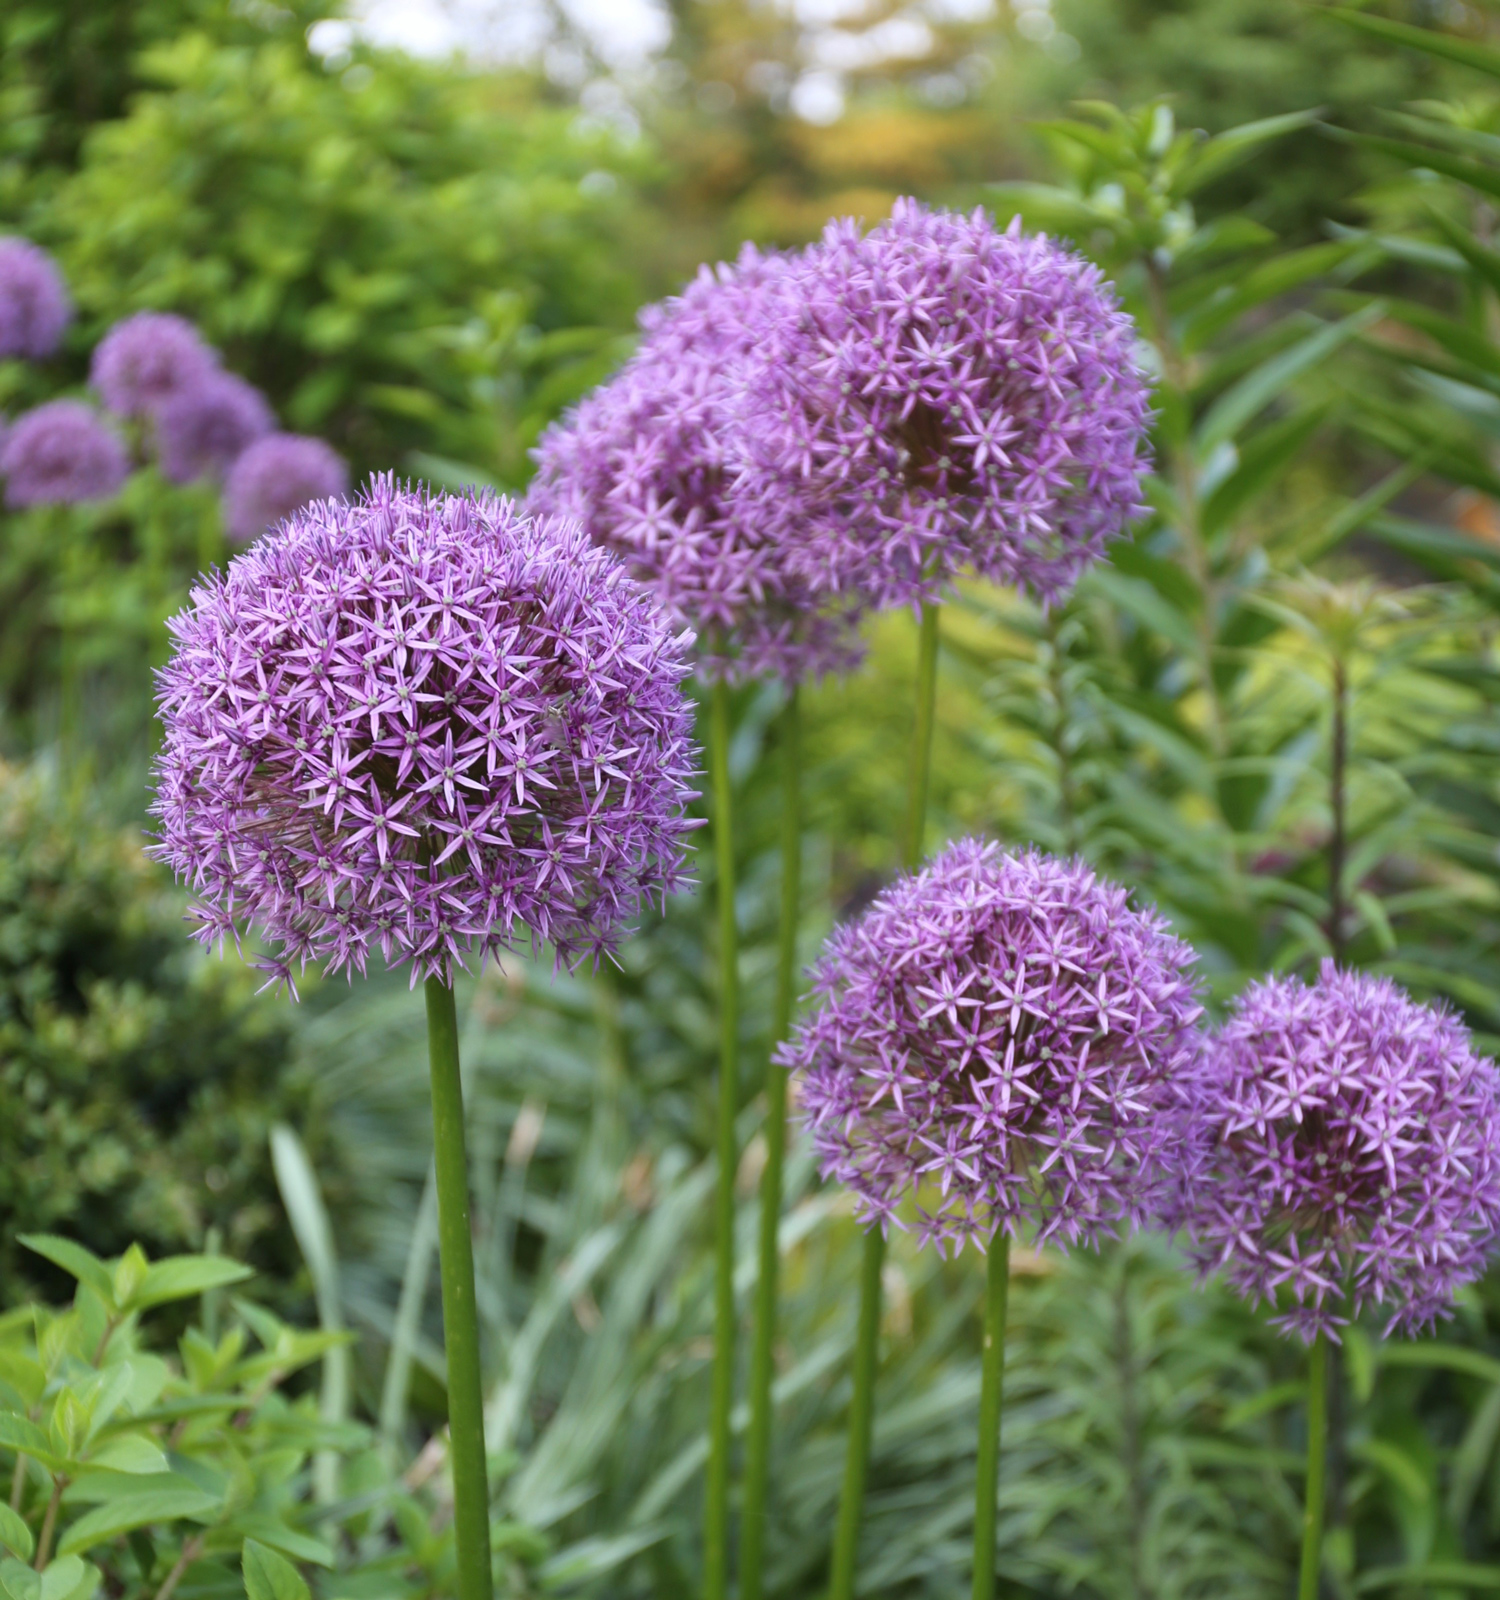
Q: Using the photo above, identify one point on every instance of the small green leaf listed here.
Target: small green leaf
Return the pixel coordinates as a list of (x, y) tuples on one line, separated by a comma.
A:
[(19, 1582), (14, 1534), (132, 1453), (69, 1578), (182, 1277), (129, 1511), (269, 1576), (1226, 150), (74, 1260)]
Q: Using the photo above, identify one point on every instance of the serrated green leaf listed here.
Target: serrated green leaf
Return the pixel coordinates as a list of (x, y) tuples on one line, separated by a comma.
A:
[(129, 1511), (14, 1534), (182, 1277), (81, 1264)]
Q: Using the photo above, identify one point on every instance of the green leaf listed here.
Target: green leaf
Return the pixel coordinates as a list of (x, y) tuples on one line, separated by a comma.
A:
[(1481, 57), (1254, 288), (131, 1453), (268, 1531), (1269, 1399), (1264, 458), (182, 1277), (129, 1511), (69, 1578), (269, 1576), (18, 1433), (1426, 1576), (1227, 150), (1452, 1357), (14, 1534), (20, 1582), (74, 1260)]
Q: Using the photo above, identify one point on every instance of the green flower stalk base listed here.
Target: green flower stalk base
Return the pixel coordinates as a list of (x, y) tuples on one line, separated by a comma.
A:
[(867, 1335), (716, 1511), (1317, 1453), (471, 1495), (762, 1354), (991, 1388)]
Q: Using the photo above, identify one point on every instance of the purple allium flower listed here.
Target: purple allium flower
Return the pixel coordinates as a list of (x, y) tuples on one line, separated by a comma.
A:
[(949, 398), (147, 360), (650, 463), (276, 476), (202, 430), (420, 724), (1003, 1038), (58, 454), (34, 303), (1352, 1153)]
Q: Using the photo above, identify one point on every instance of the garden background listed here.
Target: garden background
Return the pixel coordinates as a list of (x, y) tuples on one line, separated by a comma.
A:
[(1273, 713)]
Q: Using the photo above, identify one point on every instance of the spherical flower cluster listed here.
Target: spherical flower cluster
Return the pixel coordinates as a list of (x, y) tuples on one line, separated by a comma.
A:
[(421, 725), (949, 398), (59, 454), (34, 303), (274, 477), (148, 360), (1353, 1153), (202, 430), (651, 464), (1005, 1040)]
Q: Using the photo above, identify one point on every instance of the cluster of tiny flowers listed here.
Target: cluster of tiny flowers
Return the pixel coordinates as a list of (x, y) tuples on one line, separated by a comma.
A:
[(942, 398), (147, 360), (1003, 1040), (652, 465), (60, 453), (201, 431), (1352, 1153), (34, 305), (420, 725), (274, 477)]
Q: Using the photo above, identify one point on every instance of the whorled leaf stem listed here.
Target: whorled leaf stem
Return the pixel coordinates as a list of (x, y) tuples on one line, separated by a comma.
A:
[(471, 1495), (867, 1334)]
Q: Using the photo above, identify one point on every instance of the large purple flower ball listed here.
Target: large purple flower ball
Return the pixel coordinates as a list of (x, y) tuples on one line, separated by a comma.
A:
[(421, 725), (34, 304), (276, 476), (60, 453), (1353, 1153), (203, 429), (1006, 1042), (947, 398), (148, 360), (651, 463)]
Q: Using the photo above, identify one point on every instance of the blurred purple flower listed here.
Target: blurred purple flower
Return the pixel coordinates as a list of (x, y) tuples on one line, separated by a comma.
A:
[(421, 725), (650, 462), (1004, 1039), (276, 476), (946, 398), (202, 430), (34, 303), (147, 360), (59, 454), (1353, 1153)]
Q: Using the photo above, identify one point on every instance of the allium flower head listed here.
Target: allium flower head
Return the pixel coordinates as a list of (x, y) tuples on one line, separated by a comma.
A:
[(1003, 1038), (202, 430), (949, 398), (34, 303), (419, 724), (276, 476), (1353, 1153), (651, 463), (147, 360), (59, 454)]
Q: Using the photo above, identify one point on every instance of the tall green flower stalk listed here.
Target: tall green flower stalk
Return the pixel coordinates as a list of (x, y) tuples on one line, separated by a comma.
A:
[(1317, 1456), (762, 1354), (867, 1333), (991, 1391)]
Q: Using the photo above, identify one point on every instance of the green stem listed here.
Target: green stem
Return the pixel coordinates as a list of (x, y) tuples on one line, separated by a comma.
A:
[(1317, 1445), (762, 1355), (471, 1495), (867, 1336), (716, 1513), (991, 1387)]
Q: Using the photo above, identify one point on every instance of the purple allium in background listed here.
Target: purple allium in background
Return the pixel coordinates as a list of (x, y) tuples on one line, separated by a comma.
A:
[(34, 303), (59, 454), (147, 360), (1353, 1153), (421, 725), (276, 476), (1003, 1038), (949, 398), (650, 463), (202, 430)]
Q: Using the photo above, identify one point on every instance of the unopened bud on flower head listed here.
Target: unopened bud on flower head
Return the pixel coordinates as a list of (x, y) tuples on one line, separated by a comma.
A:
[(202, 430), (34, 305), (147, 360), (420, 725), (276, 476), (1003, 1040), (944, 398), (1351, 1153), (60, 454)]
